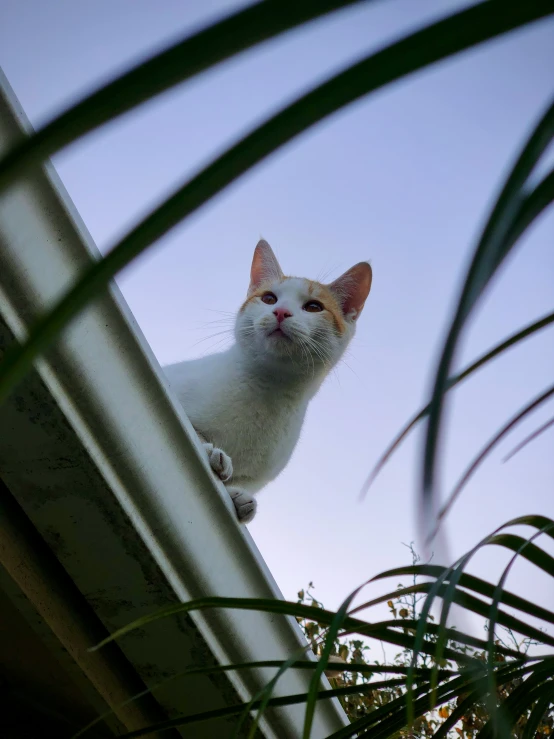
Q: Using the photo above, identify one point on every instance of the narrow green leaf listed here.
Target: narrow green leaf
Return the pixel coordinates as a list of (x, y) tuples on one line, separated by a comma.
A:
[(339, 618), (372, 668), (383, 630), (488, 255), (521, 698), (407, 641), (459, 711), (529, 209), (485, 451), (529, 439), (508, 343), (176, 64), (531, 552), (539, 709), (286, 700), (476, 584), (264, 695), (499, 720), (392, 594), (267, 605)]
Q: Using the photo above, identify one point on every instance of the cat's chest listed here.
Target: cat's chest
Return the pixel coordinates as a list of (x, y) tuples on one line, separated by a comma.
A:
[(256, 422), (258, 433)]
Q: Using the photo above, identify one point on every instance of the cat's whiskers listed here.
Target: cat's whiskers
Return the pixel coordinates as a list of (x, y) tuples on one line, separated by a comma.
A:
[(226, 321), (318, 349), (221, 312), (325, 354), (227, 332), (226, 340), (306, 352), (322, 351), (349, 353), (220, 322), (246, 330)]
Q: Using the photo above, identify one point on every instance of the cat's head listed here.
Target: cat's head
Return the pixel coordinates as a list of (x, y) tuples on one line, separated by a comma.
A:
[(295, 324)]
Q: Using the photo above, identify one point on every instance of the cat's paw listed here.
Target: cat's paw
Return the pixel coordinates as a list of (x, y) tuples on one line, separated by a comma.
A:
[(245, 504), (219, 462)]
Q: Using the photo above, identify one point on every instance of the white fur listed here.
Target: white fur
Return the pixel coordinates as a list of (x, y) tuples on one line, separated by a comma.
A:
[(248, 403)]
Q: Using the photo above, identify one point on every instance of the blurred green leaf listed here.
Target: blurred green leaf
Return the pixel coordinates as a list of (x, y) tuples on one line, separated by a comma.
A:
[(529, 439), (235, 710), (178, 63), (508, 343), (512, 213), (490, 446)]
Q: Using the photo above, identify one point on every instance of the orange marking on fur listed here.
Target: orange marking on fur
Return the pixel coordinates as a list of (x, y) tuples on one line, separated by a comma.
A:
[(333, 311), (263, 288)]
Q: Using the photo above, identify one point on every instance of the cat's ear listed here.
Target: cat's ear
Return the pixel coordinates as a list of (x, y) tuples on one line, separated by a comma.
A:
[(265, 266), (352, 288)]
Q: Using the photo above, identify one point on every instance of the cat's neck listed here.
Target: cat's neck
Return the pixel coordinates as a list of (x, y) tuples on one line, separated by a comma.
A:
[(271, 376)]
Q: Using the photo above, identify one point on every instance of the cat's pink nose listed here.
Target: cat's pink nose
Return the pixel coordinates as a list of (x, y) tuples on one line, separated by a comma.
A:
[(281, 314)]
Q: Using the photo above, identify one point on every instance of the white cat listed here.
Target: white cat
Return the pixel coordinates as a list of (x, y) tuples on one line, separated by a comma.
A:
[(248, 403)]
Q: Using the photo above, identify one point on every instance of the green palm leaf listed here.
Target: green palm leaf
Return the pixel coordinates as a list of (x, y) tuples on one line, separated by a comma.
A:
[(529, 439), (484, 359), (511, 215), (178, 63), (485, 451)]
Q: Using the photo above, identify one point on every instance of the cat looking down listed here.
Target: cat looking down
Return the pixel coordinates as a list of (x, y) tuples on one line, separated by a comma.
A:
[(248, 403)]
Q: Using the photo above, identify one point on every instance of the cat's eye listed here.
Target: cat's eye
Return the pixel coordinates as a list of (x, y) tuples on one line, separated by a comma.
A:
[(313, 306), (269, 298)]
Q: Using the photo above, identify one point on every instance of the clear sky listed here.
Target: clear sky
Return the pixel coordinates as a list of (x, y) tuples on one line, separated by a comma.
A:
[(404, 178)]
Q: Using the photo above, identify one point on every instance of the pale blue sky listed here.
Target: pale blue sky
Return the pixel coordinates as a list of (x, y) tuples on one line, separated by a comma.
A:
[(404, 178)]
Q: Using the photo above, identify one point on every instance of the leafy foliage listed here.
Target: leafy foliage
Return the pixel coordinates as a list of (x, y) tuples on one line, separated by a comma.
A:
[(464, 716)]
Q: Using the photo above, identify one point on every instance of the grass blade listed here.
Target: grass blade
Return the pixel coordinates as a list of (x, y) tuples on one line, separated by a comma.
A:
[(334, 628), (302, 665), (521, 699), (494, 613), (263, 697), (178, 63), (267, 605), (537, 714), (478, 585), (500, 233), (489, 447), (531, 552), (529, 439), (461, 709), (452, 382), (287, 700)]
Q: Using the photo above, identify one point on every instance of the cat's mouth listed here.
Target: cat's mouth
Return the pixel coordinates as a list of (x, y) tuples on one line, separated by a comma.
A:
[(278, 333)]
